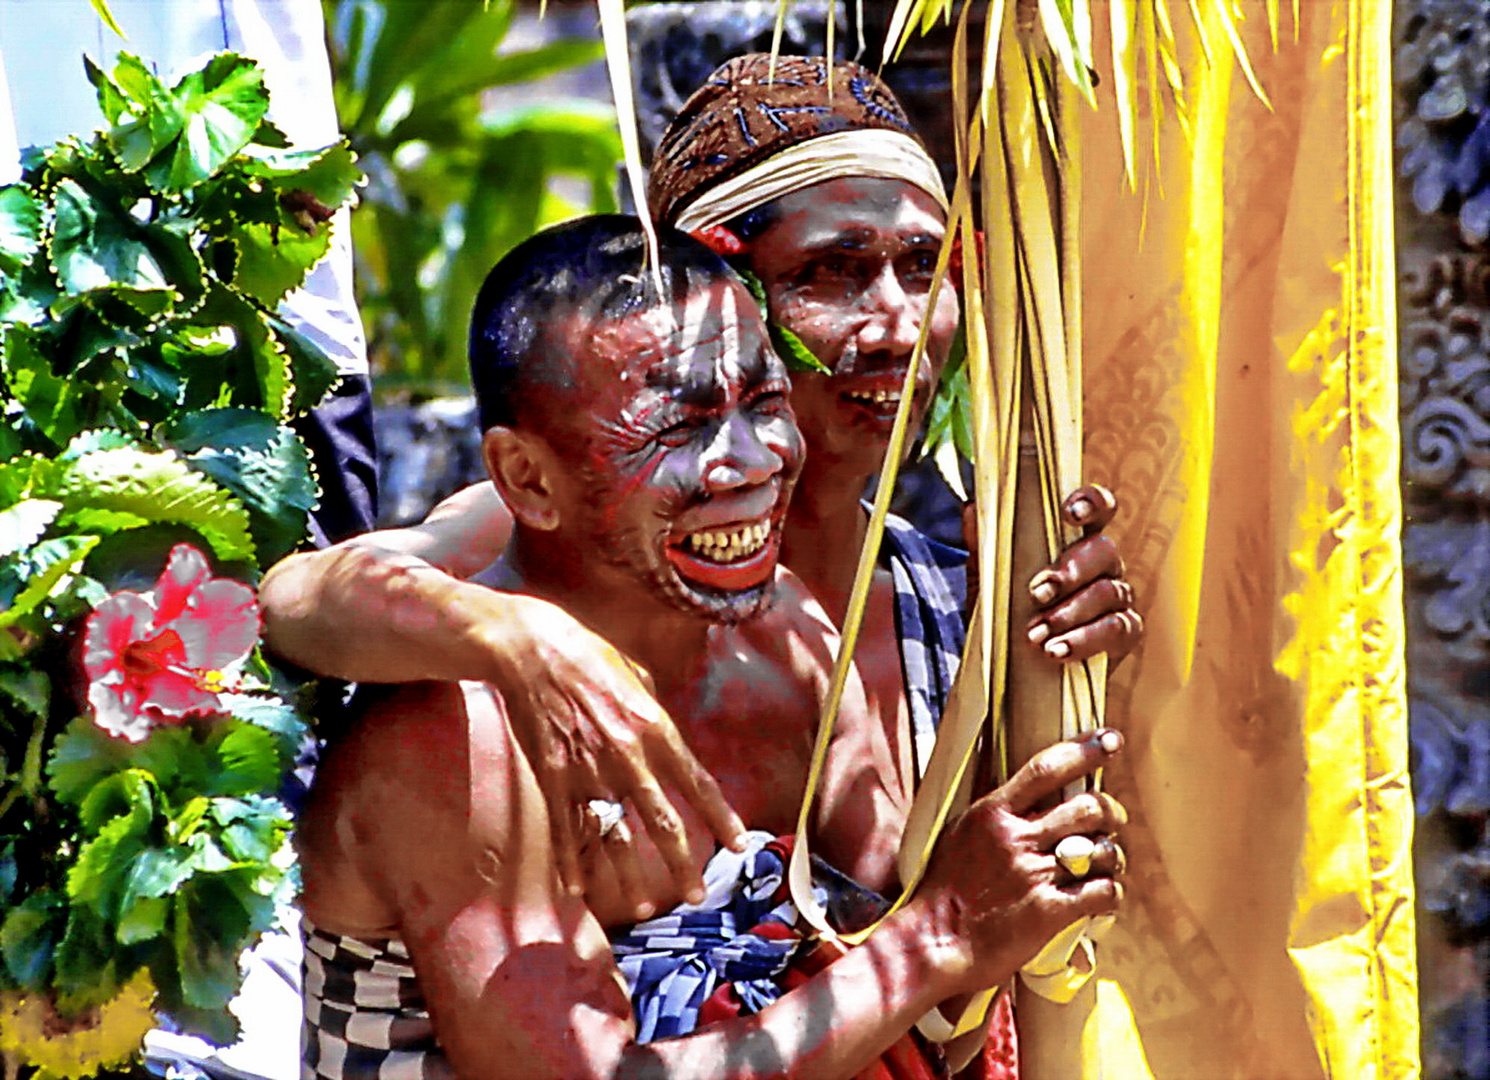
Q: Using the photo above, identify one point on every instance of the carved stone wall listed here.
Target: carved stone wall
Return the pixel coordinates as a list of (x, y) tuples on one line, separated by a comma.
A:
[(1442, 73)]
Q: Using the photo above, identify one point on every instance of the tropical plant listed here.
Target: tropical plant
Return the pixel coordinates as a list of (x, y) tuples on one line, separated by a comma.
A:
[(452, 185), (147, 475)]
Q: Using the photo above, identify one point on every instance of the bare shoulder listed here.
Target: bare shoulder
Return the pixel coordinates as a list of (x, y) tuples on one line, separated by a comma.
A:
[(418, 790), (795, 615)]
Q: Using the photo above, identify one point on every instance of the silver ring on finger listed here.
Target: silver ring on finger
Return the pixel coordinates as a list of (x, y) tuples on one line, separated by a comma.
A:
[(609, 816), (1075, 853)]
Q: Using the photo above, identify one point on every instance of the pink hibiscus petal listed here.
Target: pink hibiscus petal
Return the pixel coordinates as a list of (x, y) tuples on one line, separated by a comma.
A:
[(145, 656), (119, 620), (186, 570), (175, 694), (220, 624)]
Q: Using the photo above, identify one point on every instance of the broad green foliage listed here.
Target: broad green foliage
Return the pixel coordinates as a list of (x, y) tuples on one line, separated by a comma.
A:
[(145, 386), (451, 186)]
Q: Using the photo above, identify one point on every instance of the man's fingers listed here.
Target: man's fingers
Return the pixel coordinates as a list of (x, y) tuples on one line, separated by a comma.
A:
[(664, 825), (619, 844), (1116, 634), (701, 791), (1093, 895), (1075, 568), (566, 840), (1091, 507), (1049, 771), (1091, 812)]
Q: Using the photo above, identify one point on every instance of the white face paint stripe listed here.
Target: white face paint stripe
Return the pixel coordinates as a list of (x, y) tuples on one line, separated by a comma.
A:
[(729, 339)]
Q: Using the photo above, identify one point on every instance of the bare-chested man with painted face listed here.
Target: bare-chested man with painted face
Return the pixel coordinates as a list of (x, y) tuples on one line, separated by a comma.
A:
[(622, 430), (835, 206)]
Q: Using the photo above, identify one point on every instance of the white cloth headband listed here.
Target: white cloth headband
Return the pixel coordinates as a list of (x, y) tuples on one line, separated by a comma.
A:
[(877, 152)]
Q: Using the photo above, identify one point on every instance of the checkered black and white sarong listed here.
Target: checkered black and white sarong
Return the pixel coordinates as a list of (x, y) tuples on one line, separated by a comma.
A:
[(365, 1017)]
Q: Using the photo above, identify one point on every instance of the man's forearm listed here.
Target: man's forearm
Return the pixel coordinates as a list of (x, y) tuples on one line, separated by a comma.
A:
[(369, 614), (831, 1028)]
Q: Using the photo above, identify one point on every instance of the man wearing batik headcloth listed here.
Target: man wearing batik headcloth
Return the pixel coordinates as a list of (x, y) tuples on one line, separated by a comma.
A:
[(629, 429), (834, 206)]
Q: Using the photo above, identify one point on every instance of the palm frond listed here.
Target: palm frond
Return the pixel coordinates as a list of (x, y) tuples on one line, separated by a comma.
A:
[(618, 64)]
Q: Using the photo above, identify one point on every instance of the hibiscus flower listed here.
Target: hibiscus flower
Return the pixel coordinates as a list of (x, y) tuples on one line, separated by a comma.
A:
[(159, 657)]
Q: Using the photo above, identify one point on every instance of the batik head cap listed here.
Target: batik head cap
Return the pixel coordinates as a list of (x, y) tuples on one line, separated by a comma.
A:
[(746, 138)]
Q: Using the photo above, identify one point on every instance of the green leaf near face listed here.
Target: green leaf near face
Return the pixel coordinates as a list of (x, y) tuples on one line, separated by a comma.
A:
[(274, 259)]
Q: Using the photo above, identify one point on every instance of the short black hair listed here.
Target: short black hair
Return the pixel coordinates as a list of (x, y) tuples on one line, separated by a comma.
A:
[(594, 266)]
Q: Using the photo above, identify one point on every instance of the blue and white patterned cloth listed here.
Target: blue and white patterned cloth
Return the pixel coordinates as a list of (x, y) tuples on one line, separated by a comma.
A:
[(673, 963), (930, 593)]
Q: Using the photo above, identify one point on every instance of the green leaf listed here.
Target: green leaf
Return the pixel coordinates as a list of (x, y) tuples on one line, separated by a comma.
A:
[(112, 101), (210, 926), (96, 247), (221, 107), (793, 352), (58, 408), (273, 715), (314, 373), (101, 9), (158, 487), (20, 228), (86, 974), (25, 476), (275, 259), (24, 523), (30, 688), (83, 755), (330, 173), (182, 765), (253, 830), (129, 793), (29, 937), (250, 761), (101, 439), (52, 560), (143, 920), (265, 465), (97, 874)]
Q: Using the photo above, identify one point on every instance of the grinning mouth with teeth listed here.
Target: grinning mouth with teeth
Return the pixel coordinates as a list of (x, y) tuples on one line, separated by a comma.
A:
[(727, 545), (874, 397)]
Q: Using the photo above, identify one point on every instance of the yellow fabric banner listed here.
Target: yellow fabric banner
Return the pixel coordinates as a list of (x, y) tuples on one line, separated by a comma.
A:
[(1241, 399)]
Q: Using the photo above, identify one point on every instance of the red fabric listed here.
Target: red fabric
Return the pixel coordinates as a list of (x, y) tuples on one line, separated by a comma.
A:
[(1000, 1057)]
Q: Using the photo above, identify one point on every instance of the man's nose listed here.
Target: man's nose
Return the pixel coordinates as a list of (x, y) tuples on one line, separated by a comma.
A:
[(739, 457), (893, 322)]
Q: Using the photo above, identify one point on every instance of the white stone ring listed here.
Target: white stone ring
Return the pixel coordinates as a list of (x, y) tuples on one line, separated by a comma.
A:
[(611, 817), (1075, 854)]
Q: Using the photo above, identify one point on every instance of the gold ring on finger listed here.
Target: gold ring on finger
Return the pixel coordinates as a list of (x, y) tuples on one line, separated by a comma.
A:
[(1075, 854)]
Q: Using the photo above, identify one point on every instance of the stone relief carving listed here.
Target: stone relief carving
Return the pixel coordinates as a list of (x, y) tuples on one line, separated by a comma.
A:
[(1442, 75)]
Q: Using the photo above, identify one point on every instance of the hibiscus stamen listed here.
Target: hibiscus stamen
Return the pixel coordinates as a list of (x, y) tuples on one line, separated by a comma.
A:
[(143, 658), (212, 681)]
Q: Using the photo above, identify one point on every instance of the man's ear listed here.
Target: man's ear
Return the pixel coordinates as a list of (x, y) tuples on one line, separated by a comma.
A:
[(522, 467)]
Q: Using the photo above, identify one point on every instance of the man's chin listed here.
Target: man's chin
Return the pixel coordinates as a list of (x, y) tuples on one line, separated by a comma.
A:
[(727, 607), (719, 604)]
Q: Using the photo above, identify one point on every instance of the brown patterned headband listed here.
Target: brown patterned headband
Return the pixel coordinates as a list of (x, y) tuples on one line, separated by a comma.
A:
[(741, 116)]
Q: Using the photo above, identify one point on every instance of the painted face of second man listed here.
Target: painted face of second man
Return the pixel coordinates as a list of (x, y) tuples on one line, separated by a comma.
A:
[(847, 266), (685, 449)]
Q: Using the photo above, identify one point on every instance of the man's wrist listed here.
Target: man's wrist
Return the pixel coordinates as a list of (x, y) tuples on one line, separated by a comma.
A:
[(936, 960)]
